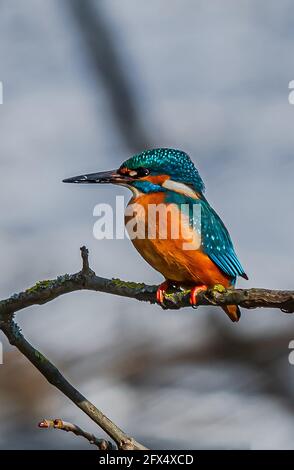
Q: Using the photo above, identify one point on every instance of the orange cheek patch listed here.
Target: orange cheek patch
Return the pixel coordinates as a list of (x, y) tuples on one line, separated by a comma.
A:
[(158, 179)]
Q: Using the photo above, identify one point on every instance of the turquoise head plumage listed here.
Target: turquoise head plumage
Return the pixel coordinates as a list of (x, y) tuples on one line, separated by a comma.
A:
[(174, 163)]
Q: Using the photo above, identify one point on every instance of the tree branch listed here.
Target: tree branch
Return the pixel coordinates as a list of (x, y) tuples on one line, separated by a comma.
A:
[(54, 377), (58, 423), (45, 291)]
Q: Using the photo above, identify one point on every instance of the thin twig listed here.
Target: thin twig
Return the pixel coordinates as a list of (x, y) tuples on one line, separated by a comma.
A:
[(54, 377), (58, 423)]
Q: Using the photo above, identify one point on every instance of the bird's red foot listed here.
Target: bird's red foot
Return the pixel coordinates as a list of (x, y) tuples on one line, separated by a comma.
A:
[(161, 291), (194, 293)]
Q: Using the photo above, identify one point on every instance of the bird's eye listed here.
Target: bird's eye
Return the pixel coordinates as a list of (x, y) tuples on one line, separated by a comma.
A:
[(142, 172)]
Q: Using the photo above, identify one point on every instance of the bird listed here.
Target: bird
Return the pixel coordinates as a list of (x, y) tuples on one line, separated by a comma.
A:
[(168, 178)]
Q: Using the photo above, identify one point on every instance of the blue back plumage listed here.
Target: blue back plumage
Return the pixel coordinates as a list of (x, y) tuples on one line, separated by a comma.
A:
[(217, 243), (215, 239)]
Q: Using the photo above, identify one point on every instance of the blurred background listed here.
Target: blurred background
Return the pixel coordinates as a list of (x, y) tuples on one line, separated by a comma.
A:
[(86, 85)]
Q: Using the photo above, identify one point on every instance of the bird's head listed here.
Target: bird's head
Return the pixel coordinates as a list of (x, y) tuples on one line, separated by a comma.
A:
[(153, 170)]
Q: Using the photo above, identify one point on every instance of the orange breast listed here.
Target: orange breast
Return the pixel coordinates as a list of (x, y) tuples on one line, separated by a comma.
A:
[(167, 255)]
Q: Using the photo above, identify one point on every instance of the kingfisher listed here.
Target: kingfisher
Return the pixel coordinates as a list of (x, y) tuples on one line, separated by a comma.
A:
[(202, 256)]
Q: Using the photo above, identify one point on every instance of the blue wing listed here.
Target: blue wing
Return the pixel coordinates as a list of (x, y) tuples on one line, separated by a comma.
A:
[(215, 239), (217, 243)]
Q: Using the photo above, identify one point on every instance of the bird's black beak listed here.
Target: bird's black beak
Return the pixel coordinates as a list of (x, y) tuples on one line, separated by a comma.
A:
[(103, 177)]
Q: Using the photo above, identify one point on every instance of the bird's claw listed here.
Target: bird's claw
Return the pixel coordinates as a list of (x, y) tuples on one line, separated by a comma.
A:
[(160, 293), (195, 291)]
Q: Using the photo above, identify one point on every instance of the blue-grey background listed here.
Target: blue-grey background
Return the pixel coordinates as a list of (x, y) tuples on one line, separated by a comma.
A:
[(87, 84)]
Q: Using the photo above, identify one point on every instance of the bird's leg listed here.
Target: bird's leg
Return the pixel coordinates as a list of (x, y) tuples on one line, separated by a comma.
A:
[(194, 293), (161, 291)]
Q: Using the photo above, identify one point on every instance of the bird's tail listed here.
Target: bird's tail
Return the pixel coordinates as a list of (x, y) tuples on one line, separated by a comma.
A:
[(233, 312)]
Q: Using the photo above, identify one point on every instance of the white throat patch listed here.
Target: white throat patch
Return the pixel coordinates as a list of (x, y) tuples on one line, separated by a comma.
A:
[(180, 188)]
